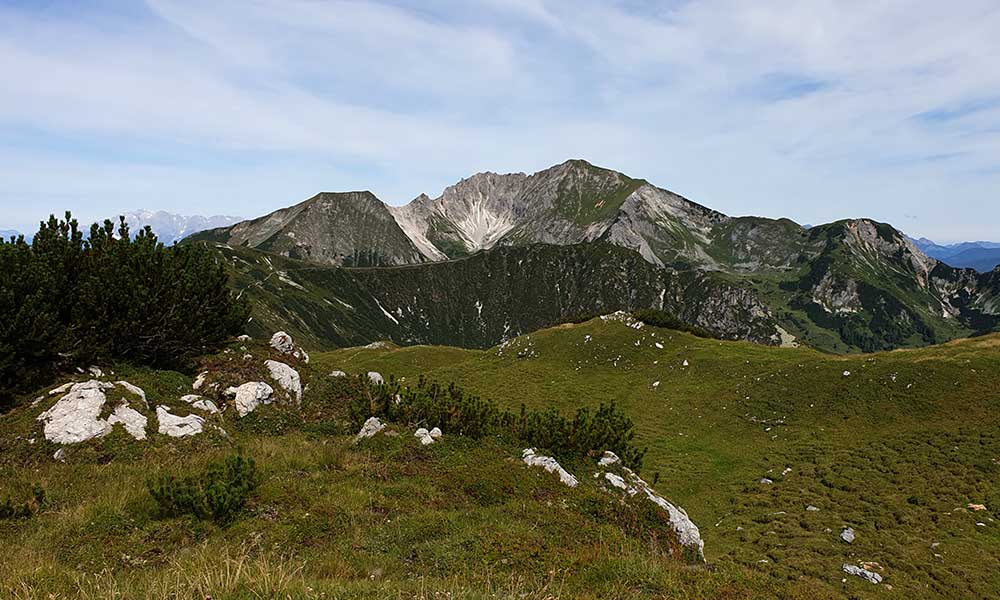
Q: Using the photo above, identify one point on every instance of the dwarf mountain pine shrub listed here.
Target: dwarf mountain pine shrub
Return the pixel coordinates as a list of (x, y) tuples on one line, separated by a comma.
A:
[(587, 433), (67, 299), (217, 493)]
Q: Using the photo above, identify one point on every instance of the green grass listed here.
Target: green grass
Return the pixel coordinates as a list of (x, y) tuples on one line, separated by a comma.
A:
[(893, 459), (897, 450)]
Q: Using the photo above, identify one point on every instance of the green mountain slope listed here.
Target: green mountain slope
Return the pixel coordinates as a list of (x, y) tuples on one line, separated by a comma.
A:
[(895, 445), (847, 286), (483, 299)]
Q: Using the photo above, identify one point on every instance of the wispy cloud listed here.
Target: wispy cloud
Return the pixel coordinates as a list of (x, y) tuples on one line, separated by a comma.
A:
[(817, 110)]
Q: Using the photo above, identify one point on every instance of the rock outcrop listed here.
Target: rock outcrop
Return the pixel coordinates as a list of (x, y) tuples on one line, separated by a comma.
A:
[(550, 464), (177, 426)]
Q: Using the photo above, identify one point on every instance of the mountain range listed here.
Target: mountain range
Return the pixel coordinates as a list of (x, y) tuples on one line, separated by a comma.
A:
[(171, 228), (981, 256), (845, 286)]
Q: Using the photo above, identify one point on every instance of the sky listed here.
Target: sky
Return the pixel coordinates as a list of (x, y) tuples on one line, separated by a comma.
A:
[(815, 110)]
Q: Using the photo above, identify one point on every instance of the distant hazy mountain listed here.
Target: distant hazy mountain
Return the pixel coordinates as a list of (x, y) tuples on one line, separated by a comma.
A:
[(6, 234), (172, 228), (981, 256)]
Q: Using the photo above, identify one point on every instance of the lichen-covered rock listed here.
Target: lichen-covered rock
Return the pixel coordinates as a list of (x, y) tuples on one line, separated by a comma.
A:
[(249, 396), (132, 420), (282, 342), (550, 464), (372, 426), (76, 416), (287, 377), (200, 403), (177, 426)]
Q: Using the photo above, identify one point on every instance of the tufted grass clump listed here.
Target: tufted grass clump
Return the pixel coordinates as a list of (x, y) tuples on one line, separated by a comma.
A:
[(218, 493)]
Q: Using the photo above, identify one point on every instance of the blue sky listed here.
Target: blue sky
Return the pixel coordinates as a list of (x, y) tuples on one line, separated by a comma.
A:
[(815, 110)]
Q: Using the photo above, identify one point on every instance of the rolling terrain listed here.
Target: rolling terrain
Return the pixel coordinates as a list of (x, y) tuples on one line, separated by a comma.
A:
[(775, 451)]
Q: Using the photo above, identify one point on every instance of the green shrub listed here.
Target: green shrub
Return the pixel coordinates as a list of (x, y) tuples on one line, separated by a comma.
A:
[(431, 405), (67, 300), (217, 493), (23, 510)]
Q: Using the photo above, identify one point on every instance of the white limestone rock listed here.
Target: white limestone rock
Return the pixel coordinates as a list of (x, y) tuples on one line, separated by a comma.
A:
[(199, 381), (857, 571), (95, 371), (338, 374), (200, 403), (249, 396), (60, 455), (138, 391), (424, 436), (244, 338), (76, 416), (375, 377), (372, 426), (848, 535), (177, 426), (132, 420), (435, 433), (550, 464), (631, 484), (282, 342), (287, 377), (61, 389)]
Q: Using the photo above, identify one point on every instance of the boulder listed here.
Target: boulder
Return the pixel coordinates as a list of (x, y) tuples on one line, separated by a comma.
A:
[(372, 426), (435, 433), (76, 416), (132, 420), (283, 343), (176, 426), (338, 374), (199, 381), (550, 464), (249, 396), (375, 377), (287, 377)]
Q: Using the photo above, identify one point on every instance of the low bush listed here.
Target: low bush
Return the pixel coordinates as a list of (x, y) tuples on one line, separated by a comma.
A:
[(217, 493), (450, 408)]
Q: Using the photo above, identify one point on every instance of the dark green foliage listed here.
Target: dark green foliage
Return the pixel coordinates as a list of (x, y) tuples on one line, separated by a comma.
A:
[(66, 300), (660, 318), (217, 493), (431, 405), (9, 509)]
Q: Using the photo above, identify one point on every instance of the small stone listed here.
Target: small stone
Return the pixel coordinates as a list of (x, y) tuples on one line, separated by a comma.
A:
[(812, 508), (766, 481), (871, 576), (60, 455), (338, 374), (848, 535)]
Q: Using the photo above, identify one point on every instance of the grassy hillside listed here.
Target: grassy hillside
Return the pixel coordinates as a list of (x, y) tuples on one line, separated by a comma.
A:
[(385, 517), (895, 445)]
